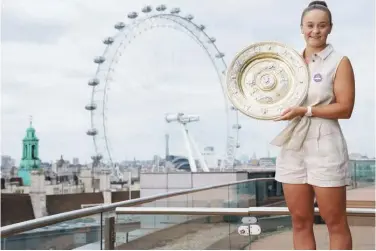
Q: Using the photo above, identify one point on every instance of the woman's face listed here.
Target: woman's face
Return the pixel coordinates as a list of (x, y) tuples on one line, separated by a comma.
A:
[(316, 27)]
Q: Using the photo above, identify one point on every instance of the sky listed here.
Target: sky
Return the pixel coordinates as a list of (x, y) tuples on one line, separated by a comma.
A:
[(48, 48)]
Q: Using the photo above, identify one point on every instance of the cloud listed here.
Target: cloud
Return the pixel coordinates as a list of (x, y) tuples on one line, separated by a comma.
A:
[(17, 28), (47, 59)]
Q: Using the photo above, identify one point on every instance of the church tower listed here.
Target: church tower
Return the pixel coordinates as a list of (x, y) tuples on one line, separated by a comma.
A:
[(30, 155)]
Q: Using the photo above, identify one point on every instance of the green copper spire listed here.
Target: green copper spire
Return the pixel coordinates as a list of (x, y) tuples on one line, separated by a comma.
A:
[(30, 154)]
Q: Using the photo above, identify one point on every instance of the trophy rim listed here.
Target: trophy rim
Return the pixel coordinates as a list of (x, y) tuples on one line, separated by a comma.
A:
[(307, 74)]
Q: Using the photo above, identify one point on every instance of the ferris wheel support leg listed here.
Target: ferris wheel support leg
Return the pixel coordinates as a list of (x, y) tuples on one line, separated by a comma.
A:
[(201, 158), (191, 160)]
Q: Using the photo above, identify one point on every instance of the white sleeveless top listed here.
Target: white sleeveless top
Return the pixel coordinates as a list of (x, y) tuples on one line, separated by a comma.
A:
[(322, 68)]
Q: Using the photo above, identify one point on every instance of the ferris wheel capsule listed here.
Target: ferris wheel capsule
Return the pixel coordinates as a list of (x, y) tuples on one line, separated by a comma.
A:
[(92, 132), (119, 25), (97, 157), (220, 55), (189, 17), (93, 82), (132, 15), (175, 11), (146, 9), (212, 40), (202, 27), (91, 107), (161, 7), (99, 60), (108, 40)]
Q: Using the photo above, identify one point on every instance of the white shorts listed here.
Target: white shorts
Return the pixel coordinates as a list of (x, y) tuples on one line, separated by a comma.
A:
[(322, 161)]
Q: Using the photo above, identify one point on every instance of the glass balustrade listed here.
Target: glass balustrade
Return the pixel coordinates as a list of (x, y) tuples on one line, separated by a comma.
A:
[(82, 232), (243, 195), (187, 230)]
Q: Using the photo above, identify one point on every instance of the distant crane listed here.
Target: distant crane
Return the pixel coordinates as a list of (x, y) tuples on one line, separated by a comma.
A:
[(183, 120)]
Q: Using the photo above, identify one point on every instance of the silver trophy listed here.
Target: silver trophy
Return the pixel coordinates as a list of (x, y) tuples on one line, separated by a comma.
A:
[(266, 78)]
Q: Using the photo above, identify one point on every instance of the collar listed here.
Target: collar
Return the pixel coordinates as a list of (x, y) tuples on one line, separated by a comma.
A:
[(324, 53)]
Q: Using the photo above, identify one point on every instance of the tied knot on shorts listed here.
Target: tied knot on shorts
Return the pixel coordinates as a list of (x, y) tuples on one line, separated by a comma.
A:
[(293, 136)]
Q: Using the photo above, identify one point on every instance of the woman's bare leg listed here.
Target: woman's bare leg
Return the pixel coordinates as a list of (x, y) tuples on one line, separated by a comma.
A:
[(300, 199), (332, 205)]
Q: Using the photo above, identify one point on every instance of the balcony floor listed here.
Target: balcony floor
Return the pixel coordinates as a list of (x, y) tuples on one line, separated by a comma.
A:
[(362, 194), (363, 235), (363, 239)]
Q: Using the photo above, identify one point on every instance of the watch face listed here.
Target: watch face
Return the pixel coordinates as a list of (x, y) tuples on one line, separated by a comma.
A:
[(309, 111), (266, 78)]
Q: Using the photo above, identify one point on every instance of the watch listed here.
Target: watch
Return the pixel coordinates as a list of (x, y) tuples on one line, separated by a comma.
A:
[(309, 112)]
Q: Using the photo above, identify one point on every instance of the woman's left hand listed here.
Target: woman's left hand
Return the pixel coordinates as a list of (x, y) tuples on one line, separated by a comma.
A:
[(291, 113)]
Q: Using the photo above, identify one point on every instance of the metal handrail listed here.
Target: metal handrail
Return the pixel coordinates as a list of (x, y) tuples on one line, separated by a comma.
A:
[(79, 213), (251, 211), (183, 211)]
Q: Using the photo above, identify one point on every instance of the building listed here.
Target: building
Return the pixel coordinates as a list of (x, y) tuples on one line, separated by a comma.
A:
[(30, 155), (76, 161), (7, 165), (363, 171)]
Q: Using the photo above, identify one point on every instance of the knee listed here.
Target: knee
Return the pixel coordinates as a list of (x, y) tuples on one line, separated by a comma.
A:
[(302, 221), (335, 221)]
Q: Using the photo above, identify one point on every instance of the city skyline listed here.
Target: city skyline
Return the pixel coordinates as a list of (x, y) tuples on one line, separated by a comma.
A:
[(47, 60)]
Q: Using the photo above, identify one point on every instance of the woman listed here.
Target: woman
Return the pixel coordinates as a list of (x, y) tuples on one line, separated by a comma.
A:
[(314, 160)]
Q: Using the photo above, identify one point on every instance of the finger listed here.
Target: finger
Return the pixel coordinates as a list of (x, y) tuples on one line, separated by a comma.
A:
[(285, 112), (281, 118)]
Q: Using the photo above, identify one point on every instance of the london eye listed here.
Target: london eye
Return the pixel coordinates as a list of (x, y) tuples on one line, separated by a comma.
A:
[(127, 31)]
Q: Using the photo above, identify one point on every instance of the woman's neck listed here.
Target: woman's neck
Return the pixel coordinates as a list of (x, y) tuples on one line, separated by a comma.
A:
[(309, 51)]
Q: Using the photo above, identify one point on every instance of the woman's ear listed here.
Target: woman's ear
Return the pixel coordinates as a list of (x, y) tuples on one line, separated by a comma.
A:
[(331, 27)]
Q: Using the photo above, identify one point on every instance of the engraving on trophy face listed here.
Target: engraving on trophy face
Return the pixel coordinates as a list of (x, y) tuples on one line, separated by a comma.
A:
[(238, 64), (282, 77), (233, 84), (265, 99), (232, 87), (249, 79), (271, 66), (279, 70), (284, 83), (285, 52), (250, 82), (247, 107), (254, 90), (267, 81)]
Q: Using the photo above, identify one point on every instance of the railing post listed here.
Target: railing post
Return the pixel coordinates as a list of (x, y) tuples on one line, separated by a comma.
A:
[(109, 233)]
